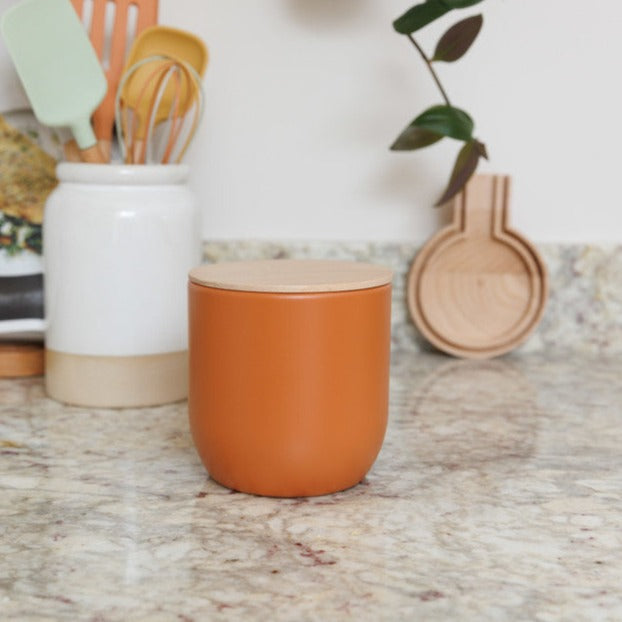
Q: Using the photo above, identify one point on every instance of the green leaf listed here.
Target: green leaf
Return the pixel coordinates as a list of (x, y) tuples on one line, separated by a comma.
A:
[(459, 4), (455, 43), (414, 137), (446, 121), (465, 166), (423, 14), (419, 16)]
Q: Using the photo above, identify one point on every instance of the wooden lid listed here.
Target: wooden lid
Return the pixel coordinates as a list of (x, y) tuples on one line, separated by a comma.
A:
[(291, 275)]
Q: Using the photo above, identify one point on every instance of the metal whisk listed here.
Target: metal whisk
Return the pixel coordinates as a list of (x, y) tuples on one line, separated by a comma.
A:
[(158, 108)]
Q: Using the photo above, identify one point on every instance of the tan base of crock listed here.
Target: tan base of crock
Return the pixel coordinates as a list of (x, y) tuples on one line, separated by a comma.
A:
[(116, 381)]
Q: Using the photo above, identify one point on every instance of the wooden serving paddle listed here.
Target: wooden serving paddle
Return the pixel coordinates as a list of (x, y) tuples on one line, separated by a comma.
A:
[(21, 359), (477, 288)]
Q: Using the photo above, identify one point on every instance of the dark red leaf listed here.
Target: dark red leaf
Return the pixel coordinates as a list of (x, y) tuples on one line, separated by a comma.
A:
[(465, 166), (455, 43)]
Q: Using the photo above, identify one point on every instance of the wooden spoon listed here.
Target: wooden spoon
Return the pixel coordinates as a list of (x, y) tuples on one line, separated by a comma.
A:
[(477, 288)]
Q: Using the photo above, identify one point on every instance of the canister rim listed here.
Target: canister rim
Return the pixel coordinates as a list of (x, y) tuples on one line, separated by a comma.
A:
[(122, 174), (291, 275)]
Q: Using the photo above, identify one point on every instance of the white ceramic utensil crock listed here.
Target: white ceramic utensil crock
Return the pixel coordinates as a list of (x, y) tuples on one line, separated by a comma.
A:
[(118, 243)]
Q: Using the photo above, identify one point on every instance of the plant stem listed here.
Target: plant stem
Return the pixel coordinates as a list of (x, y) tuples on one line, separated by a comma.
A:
[(429, 64)]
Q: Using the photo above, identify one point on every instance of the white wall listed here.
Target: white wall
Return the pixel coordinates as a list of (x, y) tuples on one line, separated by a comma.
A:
[(305, 96)]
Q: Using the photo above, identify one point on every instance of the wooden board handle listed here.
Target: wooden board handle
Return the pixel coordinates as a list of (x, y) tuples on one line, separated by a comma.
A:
[(482, 208)]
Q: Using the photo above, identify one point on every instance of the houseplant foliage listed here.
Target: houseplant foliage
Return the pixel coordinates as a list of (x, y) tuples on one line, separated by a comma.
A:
[(443, 120)]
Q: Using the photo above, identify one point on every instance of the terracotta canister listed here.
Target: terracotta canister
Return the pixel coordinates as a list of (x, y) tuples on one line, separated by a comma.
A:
[(118, 243), (289, 373)]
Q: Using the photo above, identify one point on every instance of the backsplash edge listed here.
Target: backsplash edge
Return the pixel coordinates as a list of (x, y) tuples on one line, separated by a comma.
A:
[(583, 312)]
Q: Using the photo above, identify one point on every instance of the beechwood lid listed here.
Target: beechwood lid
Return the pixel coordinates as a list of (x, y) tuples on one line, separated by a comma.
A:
[(291, 275)]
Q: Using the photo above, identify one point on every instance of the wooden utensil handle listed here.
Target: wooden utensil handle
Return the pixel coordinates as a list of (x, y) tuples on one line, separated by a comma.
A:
[(482, 208), (92, 154), (105, 147), (71, 151)]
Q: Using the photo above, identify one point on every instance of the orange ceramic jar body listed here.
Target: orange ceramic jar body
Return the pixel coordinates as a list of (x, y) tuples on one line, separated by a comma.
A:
[(288, 392)]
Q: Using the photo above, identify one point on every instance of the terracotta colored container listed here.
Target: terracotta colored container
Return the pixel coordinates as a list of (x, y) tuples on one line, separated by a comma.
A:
[(289, 373)]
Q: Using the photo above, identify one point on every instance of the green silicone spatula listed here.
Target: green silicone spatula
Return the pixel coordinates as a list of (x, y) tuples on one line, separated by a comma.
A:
[(58, 67)]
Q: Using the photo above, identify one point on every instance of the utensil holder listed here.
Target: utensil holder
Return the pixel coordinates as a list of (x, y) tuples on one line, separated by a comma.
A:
[(118, 244), (289, 373)]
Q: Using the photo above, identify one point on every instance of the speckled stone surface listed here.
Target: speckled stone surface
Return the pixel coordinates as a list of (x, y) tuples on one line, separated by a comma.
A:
[(497, 496), (584, 310)]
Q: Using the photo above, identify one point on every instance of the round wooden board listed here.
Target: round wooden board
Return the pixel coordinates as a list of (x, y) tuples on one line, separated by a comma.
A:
[(477, 289), (19, 360)]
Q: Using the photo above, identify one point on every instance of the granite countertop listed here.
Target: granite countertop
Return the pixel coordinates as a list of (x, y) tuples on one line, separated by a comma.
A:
[(497, 496)]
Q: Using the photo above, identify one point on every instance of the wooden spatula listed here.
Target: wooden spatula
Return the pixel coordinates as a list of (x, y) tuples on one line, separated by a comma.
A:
[(120, 40), (57, 66), (477, 288)]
